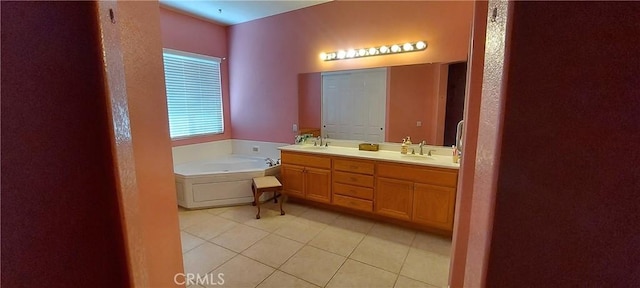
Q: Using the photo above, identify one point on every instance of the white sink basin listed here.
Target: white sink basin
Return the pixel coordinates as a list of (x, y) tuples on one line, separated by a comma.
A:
[(311, 147), (417, 157)]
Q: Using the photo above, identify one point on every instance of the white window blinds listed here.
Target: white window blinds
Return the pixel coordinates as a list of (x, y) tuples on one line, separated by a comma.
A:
[(194, 93)]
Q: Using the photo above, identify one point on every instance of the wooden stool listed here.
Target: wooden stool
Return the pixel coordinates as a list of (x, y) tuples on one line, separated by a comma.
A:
[(266, 184)]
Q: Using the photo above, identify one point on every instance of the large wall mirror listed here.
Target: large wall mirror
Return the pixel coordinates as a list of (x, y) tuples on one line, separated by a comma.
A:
[(423, 101)]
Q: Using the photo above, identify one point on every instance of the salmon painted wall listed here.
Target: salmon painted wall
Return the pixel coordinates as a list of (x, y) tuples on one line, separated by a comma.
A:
[(61, 221), (568, 191), (414, 89), (187, 33), (466, 173), (309, 100), (266, 55), (139, 23)]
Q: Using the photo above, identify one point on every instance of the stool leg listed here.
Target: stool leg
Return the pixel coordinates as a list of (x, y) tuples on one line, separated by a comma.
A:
[(253, 189), (275, 196), (256, 199), (282, 201)]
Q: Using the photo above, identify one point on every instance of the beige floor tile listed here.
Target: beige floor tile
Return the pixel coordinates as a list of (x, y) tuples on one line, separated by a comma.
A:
[(353, 223), (211, 227), (241, 272), (404, 282), (272, 250), (294, 208), (189, 241), (280, 279), (393, 233), (318, 215), (191, 217), (239, 237), (205, 258), (337, 240), (432, 243), (313, 265), (218, 210), (428, 267), (356, 274), (270, 220), (300, 230), (381, 253), (240, 214)]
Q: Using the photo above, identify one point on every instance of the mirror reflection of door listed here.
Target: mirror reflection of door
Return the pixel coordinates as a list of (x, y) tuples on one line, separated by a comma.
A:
[(456, 84), (353, 105)]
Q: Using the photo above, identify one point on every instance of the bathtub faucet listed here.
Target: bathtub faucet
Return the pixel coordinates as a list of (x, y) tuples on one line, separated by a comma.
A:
[(271, 162)]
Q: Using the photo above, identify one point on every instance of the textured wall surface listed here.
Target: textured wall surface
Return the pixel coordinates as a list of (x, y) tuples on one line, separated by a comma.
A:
[(266, 55), (60, 216), (567, 194)]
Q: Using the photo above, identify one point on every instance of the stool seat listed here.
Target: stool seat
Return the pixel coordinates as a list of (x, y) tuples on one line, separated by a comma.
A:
[(266, 184)]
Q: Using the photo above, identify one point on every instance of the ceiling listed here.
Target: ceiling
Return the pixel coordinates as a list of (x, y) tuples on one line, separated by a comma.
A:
[(233, 12)]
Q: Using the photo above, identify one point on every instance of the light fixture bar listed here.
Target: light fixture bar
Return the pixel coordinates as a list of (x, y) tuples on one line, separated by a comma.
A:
[(373, 51)]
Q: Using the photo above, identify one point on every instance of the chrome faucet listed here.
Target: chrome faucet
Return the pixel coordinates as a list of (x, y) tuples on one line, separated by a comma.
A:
[(271, 162), (422, 144), (326, 143)]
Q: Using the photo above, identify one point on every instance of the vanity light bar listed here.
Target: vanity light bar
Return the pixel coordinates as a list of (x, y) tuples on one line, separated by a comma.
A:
[(374, 51)]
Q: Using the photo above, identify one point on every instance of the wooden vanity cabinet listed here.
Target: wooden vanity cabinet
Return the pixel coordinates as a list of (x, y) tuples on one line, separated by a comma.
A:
[(306, 176), (423, 195), (394, 198), (353, 183)]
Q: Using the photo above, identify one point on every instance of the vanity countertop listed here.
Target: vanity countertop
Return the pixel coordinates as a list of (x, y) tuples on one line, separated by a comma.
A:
[(439, 161)]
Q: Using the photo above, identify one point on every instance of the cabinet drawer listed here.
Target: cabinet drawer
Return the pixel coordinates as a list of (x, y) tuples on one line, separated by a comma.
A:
[(434, 176), (353, 203), (353, 179), (353, 191), (306, 160), (360, 167)]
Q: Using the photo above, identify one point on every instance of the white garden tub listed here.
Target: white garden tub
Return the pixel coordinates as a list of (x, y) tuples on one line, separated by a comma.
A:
[(223, 181)]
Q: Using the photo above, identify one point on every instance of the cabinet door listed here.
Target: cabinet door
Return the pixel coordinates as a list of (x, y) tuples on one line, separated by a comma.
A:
[(293, 180), (394, 198), (317, 184), (434, 205)]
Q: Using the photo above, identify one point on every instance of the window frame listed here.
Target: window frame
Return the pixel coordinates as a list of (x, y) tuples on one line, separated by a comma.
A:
[(218, 60)]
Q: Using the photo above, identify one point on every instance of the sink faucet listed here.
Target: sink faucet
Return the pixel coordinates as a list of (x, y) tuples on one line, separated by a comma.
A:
[(271, 162), (422, 144), (326, 143)]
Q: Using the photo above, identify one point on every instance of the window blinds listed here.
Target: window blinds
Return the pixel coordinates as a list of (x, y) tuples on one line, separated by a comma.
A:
[(194, 94)]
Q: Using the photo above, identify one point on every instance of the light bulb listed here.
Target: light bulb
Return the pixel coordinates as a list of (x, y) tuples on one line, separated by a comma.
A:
[(373, 51), (395, 48), (362, 52), (407, 47), (421, 45), (324, 56), (384, 49), (341, 54), (351, 53)]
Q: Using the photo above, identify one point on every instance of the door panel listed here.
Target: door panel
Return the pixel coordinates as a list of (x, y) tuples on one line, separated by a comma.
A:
[(293, 180), (318, 184), (434, 205), (394, 198)]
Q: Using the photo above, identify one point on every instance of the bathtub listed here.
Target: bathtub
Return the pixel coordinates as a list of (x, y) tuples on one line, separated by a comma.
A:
[(222, 181)]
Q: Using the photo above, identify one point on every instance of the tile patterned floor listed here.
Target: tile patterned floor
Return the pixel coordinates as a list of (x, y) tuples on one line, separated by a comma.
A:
[(308, 247)]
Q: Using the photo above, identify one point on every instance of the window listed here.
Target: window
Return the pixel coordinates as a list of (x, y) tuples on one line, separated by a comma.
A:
[(194, 94)]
